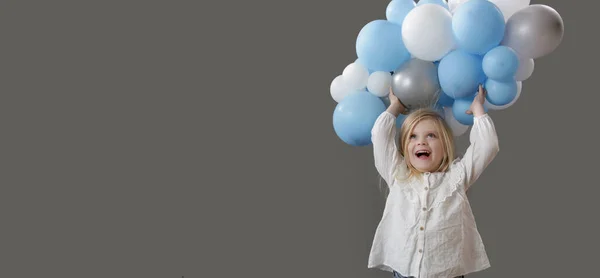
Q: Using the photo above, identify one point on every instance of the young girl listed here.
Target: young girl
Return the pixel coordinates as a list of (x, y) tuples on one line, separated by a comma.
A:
[(428, 229)]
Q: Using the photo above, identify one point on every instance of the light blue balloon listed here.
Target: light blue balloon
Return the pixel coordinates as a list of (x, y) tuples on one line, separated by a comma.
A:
[(500, 63), (397, 10), (444, 100), (478, 26), (354, 117), (460, 74), (386, 101), (399, 121), (500, 92), (438, 2), (379, 46), (460, 107)]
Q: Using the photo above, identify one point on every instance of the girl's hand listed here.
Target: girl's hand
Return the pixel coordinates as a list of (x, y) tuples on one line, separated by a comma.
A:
[(396, 106), (393, 98), (476, 108)]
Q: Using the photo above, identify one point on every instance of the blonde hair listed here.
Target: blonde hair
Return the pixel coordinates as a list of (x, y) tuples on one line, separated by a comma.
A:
[(444, 131)]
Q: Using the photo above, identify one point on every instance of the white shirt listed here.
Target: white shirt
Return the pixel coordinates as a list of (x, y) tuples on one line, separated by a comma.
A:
[(427, 229)]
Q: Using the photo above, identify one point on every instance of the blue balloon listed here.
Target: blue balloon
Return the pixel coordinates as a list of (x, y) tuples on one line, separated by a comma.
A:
[(438, 2), (354, 117), (500, 92), (400, 120), (460, 74), (500, 63), (379, 46), (397, 10), (478, 26), (459, 109), (386, 101), (445, 100)]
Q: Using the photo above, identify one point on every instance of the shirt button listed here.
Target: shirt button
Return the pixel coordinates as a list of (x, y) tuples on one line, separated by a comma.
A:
[(420, 250), (426, 188), (422, 228), (424, 209)]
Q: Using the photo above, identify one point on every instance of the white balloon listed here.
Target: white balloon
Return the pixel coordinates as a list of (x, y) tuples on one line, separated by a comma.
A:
[(509, 7), (355, 76), (339, 89), (379, 83), (427, 32), (458, 129), (453, 4), (525, 69), (502, 107)]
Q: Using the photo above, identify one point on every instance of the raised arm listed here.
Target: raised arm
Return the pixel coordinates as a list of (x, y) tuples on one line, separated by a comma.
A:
[(383, 134), (484, 141)]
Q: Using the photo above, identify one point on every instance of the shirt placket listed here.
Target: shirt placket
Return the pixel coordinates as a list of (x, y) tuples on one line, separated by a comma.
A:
[(423, 196)]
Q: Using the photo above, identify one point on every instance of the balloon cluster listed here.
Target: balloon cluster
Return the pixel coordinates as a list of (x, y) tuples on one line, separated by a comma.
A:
[(435, 54)]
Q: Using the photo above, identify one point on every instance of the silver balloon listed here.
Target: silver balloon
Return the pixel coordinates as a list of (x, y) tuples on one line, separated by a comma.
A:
[(534, 31), (416, 84)]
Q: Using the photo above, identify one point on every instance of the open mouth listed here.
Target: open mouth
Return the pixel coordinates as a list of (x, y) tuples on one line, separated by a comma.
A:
[(422, 154)]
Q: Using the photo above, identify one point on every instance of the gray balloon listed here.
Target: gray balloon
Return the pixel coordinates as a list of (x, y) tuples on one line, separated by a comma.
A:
[(416, 83), (534, 31)]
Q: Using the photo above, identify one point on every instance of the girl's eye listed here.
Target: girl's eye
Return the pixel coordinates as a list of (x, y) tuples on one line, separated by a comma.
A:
[(431, 135), (412, 136)]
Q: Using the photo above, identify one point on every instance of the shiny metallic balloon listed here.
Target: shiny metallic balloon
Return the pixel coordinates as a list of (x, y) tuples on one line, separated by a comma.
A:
[(534, 31), (416, 84)]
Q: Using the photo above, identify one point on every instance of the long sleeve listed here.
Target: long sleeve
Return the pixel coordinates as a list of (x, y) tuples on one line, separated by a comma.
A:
[(482, 150), (386, 154)]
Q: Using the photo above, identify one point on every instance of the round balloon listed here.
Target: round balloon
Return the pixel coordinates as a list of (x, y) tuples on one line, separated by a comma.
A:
[(457, 128), (397, 10), (490, 106), (509, 7), (454, 4), (416, 83), (355, 76), (500, 92), (459, 109), (437, 2), (427, 32), (478, 26), (379, 46), (354, 117), (379, 83), (445, 100), (500, 63), (338, 88), (534, 31), (525, 70), (460, 74)]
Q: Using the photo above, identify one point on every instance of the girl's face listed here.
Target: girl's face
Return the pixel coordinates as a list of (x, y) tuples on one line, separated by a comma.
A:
[(425, 149)]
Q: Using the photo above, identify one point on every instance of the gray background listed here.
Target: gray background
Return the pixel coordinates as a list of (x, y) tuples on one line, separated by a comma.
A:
[(194, 138)]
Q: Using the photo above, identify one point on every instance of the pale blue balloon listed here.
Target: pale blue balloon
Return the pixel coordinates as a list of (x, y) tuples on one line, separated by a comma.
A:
[(379, 46), (460, 74), (400, 120), (500, 63), (437, 2), (478, 26), (460, 107), (397, 10), (445, 100), (354, 117), (501, 92)]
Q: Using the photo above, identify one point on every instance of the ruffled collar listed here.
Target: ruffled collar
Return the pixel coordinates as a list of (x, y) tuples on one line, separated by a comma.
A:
[(443, 185)]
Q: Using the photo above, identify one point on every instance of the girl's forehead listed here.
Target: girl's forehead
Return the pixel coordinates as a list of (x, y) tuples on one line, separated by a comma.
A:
[(426, 124)]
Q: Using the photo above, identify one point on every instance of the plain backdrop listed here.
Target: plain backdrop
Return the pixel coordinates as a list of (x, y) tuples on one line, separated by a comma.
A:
[(188, 139)]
